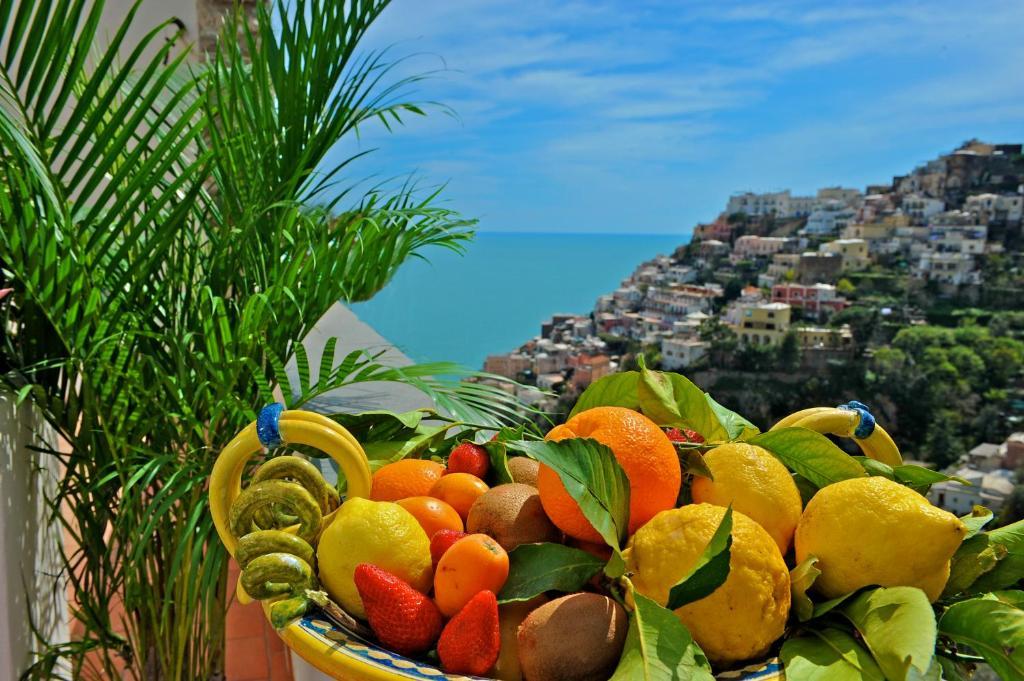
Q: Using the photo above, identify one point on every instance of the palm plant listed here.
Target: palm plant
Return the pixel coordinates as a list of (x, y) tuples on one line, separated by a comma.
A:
[(171, 236)]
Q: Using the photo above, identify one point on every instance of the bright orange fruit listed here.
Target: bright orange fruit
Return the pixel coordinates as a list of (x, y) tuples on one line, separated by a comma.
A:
[(459, 490), (642, 449), (405, 478), (432, 514), (473, 564)]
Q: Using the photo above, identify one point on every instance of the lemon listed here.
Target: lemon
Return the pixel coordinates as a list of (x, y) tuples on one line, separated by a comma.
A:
[(381, 533), (756, 484), (868, 531), (740, 619)]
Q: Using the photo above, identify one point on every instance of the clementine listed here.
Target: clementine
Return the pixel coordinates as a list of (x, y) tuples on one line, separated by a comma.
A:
[(432, 514), (473, 564), (405, 478), (459, 490), (642, 449)]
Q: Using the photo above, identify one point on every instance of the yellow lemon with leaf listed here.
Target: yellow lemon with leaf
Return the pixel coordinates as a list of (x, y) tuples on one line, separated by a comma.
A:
[(743, 617), (756, 484), (381, 533), (873, 531)]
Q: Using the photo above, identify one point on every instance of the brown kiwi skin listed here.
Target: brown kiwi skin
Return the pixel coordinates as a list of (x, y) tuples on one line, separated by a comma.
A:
[(574, 638), (524, 470), (512, 515)]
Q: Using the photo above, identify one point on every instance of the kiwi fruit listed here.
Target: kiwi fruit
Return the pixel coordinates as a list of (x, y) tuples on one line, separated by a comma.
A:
[(511, 514), (510, 616), (524, 470), (573, 638)]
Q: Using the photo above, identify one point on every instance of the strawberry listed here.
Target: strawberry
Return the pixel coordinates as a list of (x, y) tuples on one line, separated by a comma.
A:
[(404, 620), (471, 640), (684, 435), (442, 541), (469, 458)]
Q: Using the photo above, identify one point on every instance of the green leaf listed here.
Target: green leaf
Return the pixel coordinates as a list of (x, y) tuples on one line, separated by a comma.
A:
[(673, 400), (615, 390), (828, 655), (975, 557), (1010, 568), (993, 629), (810, 454), (953, 670), (978, 518), (497, 450), (592, 476), (877, 468), (828, 606), (921, 478), (692, 461), (659, 647), (735, 426), (711, 569), (801, 579), (536, 568), (1014, 597), (898, 626)]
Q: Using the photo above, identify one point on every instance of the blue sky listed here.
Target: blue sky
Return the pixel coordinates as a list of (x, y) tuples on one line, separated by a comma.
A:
[(644, 115)]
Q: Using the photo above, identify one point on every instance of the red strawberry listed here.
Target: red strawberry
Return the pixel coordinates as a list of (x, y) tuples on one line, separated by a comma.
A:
[(684, 435), (469, 458), (442, 541), (471, 640), (404, 620)]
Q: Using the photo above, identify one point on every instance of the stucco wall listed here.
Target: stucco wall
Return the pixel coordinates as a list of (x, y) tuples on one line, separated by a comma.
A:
[(29, 546)]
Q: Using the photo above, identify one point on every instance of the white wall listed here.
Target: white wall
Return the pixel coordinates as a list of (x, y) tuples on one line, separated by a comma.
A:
[(29, 545)]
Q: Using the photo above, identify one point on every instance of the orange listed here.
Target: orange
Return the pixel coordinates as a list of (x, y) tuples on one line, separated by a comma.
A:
[(473, 564), (459, 490), (642, 449), (432, 514), (405, 478)]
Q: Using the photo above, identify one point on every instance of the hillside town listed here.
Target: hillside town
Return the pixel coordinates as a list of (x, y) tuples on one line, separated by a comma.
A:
[(780, 284)]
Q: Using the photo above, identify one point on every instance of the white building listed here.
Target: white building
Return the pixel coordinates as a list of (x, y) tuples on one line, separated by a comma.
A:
[(780, 204), (988, 489), (921, 208), (830, 217), (750, 246), (947, 268), (995, 207), (679, 353)]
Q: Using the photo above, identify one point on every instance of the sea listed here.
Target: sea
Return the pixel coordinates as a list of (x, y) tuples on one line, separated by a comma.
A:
[(492, 299)]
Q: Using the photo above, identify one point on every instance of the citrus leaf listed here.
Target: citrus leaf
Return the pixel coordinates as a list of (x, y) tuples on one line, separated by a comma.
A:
[(592, 476), (810, 454), (978, 518), (828, 655), (831, 604), (692, 461), (1010, 568), (1014, 598), (876, 468), (658, 647), (801, 579), (673, 400), (616, 390), (993, 629), (735, 426), (536, 568), (711, 569), (975, 557), (920, 478), (898, 626), (497, 450)]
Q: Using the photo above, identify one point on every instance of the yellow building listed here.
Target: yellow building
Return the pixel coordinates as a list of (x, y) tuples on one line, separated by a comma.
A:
[(853, 251), (764, 324), (823, 337)]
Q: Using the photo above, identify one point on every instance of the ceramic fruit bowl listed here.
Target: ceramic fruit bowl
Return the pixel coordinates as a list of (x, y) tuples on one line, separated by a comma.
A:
[(324, 635)]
